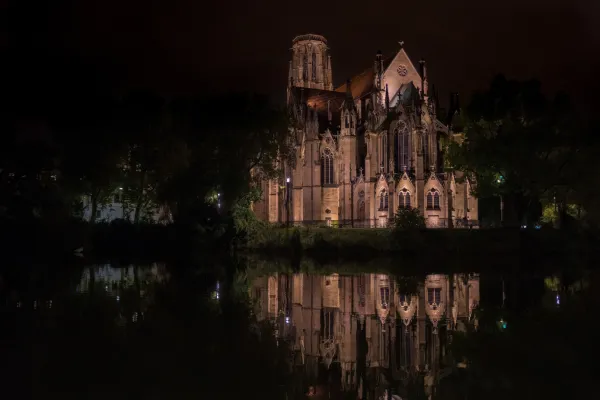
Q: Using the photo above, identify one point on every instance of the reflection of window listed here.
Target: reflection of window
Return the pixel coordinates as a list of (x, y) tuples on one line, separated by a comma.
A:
[(385, 297), (327, 167), (433, 200), (404, 199), (383, 200), (361, 290), (434, 296)]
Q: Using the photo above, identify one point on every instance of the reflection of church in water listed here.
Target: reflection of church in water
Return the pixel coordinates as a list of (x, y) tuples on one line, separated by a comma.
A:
[(363, 326)]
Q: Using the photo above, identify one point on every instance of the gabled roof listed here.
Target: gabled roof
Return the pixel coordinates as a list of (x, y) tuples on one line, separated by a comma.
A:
[(362, 84)]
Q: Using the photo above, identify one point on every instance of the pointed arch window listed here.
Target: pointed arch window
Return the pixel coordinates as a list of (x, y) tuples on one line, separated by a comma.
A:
[(305, 68), (314, 66), (426, 158), (401, 148), (327, 167), (404, 199), (384, 151), (383, 200), (347, 121), (433, 200)]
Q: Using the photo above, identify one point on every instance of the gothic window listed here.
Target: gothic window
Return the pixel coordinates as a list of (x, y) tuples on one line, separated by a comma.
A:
[(433, 200), (384, 151), (314, 66), (347, 121), (434, 296), (327, 167), (401, 148), (426, 160), (383, 200), (305, 68), (404, 199), (351, 122)]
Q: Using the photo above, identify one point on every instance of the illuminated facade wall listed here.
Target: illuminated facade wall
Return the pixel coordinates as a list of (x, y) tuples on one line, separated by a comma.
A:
[(365, 148)]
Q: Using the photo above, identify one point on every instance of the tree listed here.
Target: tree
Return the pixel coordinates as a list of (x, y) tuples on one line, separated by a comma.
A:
[(233, 141), (518, 145)]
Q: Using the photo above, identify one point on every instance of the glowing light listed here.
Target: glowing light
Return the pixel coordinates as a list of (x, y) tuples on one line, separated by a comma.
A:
[(287, 320), (287, 179), (558, 300)]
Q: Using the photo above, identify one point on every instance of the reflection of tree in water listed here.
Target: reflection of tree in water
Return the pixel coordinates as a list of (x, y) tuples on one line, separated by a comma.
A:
[(187, 345)]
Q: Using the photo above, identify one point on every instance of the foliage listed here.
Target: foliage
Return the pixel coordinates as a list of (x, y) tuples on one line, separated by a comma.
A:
[(408, 218), (145, 153), (522, 146)]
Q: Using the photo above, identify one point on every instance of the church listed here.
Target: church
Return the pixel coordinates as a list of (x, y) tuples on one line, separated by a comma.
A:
[(362, 150)]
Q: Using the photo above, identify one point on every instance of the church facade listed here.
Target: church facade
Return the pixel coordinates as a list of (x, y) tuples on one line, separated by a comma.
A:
[(364, 149)]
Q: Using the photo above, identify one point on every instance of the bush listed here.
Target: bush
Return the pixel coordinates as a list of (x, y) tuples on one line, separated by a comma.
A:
[(409, 218)]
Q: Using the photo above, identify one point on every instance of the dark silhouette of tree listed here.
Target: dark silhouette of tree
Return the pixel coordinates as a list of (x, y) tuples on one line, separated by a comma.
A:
[(520, 146)]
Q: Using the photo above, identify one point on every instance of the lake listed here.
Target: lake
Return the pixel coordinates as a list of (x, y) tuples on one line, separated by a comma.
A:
[(243, 328)]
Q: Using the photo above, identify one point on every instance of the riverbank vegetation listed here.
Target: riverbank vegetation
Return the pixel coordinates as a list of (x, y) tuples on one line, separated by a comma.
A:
[(192, 164)]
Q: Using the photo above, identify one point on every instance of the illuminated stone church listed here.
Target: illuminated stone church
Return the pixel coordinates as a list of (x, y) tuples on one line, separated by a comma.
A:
[(363, 149)]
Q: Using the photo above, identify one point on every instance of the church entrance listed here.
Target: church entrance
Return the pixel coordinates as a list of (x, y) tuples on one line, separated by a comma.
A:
[(360, 215)]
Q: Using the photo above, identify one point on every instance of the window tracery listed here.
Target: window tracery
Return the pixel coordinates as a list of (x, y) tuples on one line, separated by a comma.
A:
[(433, 200), (383, 200), (327, 167), (404, 199)]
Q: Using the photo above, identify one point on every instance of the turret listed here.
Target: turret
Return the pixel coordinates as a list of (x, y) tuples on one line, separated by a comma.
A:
[(310, 66)]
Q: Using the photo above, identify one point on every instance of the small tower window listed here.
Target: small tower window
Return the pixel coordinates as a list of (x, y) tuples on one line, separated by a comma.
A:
[(314, 67), (305, 68), (347, 121), (327, 167)]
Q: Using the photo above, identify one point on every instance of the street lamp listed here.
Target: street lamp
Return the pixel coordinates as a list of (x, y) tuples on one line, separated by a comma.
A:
[(500, 181), (287, 200)]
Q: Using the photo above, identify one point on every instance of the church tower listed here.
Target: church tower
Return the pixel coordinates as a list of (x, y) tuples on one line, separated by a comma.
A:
[(310, 66)]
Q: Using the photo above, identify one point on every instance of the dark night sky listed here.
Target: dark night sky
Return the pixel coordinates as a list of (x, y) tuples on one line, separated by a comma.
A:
[(181, 46)]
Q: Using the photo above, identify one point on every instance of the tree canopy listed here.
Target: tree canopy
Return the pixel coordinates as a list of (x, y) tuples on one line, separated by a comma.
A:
[(520, 145)]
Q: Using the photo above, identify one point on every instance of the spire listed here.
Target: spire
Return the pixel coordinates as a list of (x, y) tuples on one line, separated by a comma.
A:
[(457, 102), (378, 68), (424, 82), (387, 99)]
